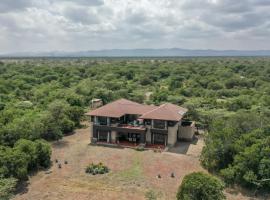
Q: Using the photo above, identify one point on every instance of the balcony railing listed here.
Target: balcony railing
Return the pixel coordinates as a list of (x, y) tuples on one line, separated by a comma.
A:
[(121, 128)]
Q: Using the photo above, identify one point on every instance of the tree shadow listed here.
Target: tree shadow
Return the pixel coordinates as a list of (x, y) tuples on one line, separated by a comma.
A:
[(60, 144), (252, 194), (22, 187)]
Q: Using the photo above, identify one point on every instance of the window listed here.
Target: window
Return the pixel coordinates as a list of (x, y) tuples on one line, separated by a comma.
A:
[(114, 120), (92, 119), (102, 120), (147, 121), (171, 123), (160, 124)]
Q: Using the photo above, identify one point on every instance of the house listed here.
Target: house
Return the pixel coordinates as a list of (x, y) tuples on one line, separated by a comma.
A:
[(124, 121)]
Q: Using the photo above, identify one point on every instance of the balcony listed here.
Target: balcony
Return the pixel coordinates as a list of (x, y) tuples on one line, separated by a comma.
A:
[(120, 128)]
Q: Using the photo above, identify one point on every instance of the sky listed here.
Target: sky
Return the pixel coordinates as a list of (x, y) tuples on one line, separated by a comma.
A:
[(79, 25)]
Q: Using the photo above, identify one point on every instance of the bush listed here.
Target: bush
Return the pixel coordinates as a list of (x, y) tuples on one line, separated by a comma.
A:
[(140, 148), (7, 186), (97, 169), (199, 185), (150, 195)]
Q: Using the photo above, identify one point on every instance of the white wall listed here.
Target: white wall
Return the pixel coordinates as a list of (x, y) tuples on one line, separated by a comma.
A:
[(91, 130), (113, 136), (187, 132), (172, 134)]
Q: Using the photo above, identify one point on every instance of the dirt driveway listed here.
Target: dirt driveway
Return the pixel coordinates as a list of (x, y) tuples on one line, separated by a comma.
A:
[(132, 174)]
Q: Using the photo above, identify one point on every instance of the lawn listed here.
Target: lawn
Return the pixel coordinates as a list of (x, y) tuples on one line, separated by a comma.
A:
[(133, 174)]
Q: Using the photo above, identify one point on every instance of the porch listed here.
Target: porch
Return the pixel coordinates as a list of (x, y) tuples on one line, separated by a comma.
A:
[(125, 134)]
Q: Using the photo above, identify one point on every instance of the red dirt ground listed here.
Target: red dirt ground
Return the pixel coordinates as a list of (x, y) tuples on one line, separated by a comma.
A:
[(132, 174)]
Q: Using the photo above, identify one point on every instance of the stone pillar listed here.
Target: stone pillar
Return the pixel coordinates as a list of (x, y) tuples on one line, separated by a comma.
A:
[(113, 136), (148, 135)]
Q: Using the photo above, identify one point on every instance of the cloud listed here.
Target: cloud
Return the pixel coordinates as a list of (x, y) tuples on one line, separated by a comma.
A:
[(82, 15), (7, 5), (84, 2), (33, 25)]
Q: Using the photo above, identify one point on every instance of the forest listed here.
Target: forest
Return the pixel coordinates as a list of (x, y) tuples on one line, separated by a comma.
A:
[(45, 99)]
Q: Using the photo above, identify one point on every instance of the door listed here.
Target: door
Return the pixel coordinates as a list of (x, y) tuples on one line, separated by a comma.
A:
[(102, 136), (158, 138)]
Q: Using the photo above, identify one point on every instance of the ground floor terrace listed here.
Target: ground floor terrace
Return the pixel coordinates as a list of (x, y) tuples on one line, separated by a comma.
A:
[(127, 135), (132, 173)]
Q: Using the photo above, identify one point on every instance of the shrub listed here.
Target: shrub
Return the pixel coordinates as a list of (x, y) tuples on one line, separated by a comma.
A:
[(150, 195), (199, 185), (140, 148), (7, 186), (97, 169)]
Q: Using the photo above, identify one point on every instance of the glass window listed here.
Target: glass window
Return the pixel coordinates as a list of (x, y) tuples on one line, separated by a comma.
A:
[(102, 120), (160, 124)]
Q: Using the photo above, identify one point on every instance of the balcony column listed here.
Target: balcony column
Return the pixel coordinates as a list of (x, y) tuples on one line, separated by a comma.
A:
[(152, 123), (108, 121), (166, 124), (95, 120)]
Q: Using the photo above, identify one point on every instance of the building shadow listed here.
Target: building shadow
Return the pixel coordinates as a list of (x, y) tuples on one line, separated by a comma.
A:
[(181, 147)]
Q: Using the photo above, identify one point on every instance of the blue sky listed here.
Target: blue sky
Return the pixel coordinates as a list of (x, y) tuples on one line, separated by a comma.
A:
[(74, 25)]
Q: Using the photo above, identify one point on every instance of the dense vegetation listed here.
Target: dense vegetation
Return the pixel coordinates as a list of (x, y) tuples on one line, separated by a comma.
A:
[(46, 99), (239, 149), (200, 186)]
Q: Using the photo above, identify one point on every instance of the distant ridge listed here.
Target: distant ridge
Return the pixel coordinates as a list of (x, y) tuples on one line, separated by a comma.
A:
[(172, 52)]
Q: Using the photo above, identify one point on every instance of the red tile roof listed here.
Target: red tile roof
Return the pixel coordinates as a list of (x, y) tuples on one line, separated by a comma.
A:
[(121, 107), (166, 111)]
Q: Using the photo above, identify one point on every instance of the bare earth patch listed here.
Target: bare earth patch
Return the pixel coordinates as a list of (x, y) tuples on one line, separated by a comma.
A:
[(132, 173)]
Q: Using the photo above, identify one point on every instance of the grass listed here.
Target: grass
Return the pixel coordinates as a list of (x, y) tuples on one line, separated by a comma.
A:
[(135, 171)]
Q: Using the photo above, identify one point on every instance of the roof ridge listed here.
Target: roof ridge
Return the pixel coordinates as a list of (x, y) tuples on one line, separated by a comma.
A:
[(162, 105)]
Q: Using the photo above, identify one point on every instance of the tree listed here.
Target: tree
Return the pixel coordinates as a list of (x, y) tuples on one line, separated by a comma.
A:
[(238, 149), (43, 150), (13, 163), (29, 148), (200, 186)]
